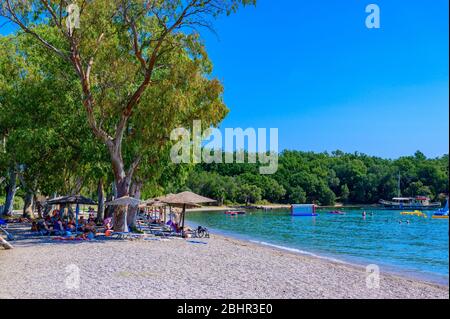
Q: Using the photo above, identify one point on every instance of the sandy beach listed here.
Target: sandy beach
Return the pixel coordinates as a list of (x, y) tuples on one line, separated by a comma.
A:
[(218, 267)]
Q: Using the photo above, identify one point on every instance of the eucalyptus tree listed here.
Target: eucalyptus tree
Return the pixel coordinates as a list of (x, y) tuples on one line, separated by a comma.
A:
[(126, 55), (47, 143), (9, 68)]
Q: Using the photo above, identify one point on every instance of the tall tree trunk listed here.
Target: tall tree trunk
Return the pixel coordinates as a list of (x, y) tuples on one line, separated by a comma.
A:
[(39, 207), (135, 191), (120, 212), (28, 205), (109, 210), (11, 189), (122, 182), (101, 200)]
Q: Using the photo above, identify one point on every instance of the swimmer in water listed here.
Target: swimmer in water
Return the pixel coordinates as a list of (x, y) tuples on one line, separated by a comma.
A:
[(364, 214)]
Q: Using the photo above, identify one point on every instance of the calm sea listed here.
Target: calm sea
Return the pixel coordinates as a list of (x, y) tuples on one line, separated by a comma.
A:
[(418, 249)]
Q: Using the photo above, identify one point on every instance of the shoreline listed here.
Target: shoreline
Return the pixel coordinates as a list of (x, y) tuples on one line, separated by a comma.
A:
[(334, 261), (386, 269), (432, 278), (216, 268)]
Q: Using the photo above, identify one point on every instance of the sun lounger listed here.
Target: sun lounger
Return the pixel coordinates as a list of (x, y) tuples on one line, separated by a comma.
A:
[(3, 223), (5, 244), (8, 235), (126, 235)]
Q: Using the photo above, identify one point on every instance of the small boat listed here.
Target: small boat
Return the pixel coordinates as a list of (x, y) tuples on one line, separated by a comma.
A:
[(440, 217), (412, 203), (417, 213), (441, 213), (336, 212), (418, 202), (234, 212)]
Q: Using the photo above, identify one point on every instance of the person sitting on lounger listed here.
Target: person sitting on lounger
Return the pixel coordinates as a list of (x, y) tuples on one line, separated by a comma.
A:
[(70, 225), (45, 227), (82, 222), (107, 223), (58, 226), (89, 231), (91, 217), (34, 227)]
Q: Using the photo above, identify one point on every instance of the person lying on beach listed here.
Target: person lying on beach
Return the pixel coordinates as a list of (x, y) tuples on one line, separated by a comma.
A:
[(90, 226), (155, 221), (187, 231), (88, 234), (18, 220)]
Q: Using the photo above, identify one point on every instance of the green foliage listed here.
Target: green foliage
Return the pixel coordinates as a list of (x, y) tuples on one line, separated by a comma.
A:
[(249, 194), (306, 177), (18, 202), (131, 73)]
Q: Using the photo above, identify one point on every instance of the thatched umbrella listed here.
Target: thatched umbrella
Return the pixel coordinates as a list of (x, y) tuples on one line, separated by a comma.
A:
[(152, 203), (155, 203), (185, 200), (125, 201), (72, 199)]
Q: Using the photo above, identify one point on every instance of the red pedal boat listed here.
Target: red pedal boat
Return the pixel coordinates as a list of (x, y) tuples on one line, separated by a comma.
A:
[(234, 212)]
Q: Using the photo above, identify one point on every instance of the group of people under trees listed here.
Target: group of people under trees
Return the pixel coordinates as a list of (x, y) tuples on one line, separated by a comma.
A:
[(56, 223)]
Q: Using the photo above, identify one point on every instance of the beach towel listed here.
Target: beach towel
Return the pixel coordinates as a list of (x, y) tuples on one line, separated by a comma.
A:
[(69, 238), (196, 242)]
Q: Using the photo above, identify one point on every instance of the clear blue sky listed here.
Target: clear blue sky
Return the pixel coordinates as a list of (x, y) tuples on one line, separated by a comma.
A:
[(313, 70)]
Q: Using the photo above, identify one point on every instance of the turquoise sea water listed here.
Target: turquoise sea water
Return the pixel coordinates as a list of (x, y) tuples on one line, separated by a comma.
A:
[(419, 249)]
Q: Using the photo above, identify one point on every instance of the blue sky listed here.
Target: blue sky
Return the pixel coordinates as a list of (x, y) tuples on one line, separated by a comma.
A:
[(314, 71)]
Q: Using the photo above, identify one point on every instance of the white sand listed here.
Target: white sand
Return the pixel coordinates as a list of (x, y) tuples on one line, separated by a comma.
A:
[(222, 268)]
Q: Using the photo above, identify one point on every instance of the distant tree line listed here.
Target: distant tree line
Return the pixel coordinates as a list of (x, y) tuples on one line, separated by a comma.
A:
[(323, 178)]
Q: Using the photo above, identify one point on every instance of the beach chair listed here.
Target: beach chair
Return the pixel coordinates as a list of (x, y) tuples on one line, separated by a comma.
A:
[(5, 244), (126, 235), (3, 223), (8, 235)]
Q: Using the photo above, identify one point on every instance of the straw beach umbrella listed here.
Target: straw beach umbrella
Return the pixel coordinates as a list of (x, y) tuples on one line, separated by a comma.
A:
[(154, 203), (185, 200), (72, 199), (125, 201)]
